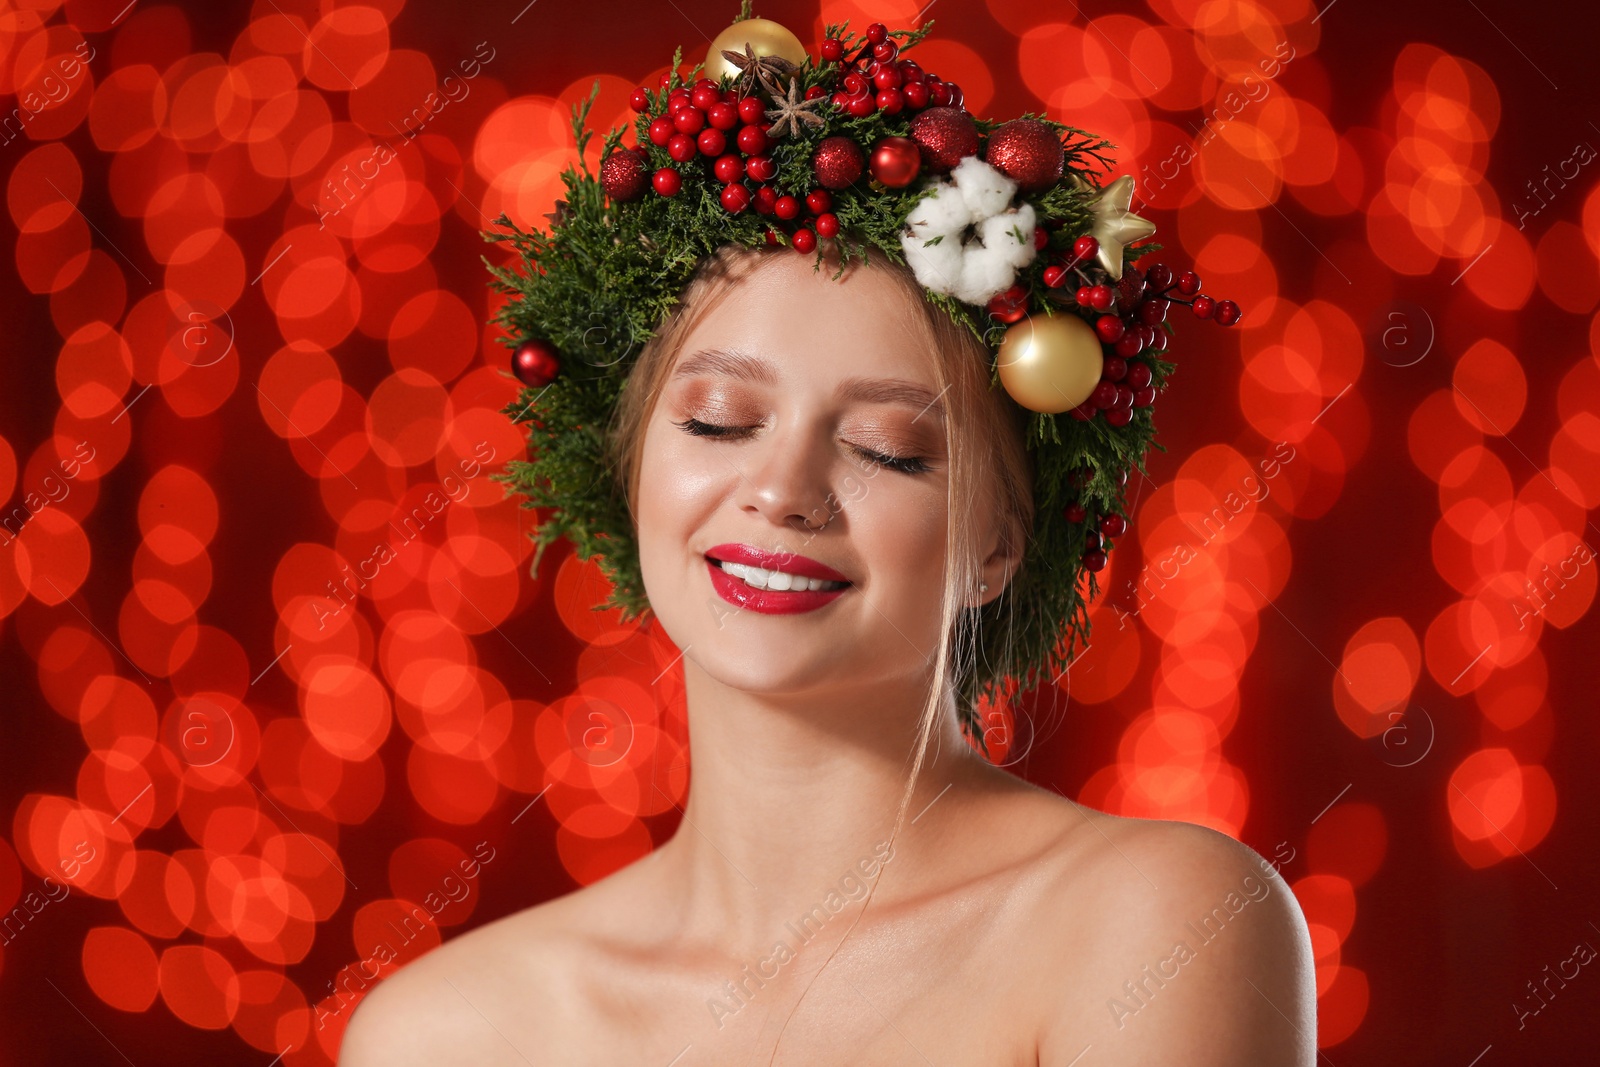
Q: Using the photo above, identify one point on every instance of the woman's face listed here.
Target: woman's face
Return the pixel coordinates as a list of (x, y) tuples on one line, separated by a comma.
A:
[(833, 416)]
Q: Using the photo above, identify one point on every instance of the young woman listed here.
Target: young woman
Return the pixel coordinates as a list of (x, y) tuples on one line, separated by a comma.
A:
[(811, 480), (810, 910)]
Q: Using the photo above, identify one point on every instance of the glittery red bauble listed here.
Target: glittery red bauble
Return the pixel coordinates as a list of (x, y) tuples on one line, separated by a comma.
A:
[(535, 363), (896, 161), (625, 175), (946, 135), (1028, 152), (838, 162)]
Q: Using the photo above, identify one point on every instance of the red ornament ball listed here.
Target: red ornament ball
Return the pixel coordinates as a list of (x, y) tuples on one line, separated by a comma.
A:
[(535, 363), (896, 161), (946, 135), (1028, 152), (838, 162), (624, 174)]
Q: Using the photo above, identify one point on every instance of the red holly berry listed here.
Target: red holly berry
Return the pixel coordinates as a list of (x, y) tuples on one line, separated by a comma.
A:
[(885, 51), (1159, 276), (1153, 311), (819, 201), (1130, 344), (890, 101), (735, 197), (787, 207), (1203, 307), (916, 95), (729, 168), (1227, 313), (1101, 297), (1104, 395), (1041, 237), (661, 131), (1143, 398), (1119, 416), (939, 95), (711, 142), (815, 91), (705, 97), (832, 49), (690, 120), (1085, 248), (888, 78), (1115, 369), (854, 84), (861, 106), (665, 80), (1110, 328), (956, 97), (640, 100), (667, 181), (1055, 277), (761, 168), (682, 148), (752, 140), (1075, 513), (1113, 525), (1139, 376), (723, 115), (750, 110), (877, 33), (827, 224), (804, 241), (1188, 283), (766, 200), (1085, 295), (1094, 561)]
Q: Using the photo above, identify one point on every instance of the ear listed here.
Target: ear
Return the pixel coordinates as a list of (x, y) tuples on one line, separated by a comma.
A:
[(1005, 556)]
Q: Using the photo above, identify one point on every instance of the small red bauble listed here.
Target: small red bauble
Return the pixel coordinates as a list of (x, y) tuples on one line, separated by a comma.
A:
[(535, 363), (667, 181), (1227, 313), (827, 224), (711, 142), (723, 116), (896, 161), (752, 140), (946, 135), (1110, 328), (662, 131), (624, 174), (761, 168), (1203, 307), (729, 168), (804, 241), (838, 162), (750, 110), (640, 100), (735, 197), (1028, 152), (819, 201)]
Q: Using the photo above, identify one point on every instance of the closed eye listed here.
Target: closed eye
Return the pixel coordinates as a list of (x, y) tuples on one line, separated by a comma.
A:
[(903, 464)]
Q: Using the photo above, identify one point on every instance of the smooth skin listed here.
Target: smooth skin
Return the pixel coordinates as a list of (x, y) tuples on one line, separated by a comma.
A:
[(1009, 925)]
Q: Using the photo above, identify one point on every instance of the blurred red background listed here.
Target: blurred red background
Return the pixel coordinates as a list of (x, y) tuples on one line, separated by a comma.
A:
[(273, 664)]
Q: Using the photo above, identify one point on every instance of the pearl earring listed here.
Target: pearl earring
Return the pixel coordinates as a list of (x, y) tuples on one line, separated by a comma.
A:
[(983, 588)]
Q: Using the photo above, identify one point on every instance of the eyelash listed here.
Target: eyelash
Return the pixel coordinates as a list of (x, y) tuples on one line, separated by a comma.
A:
[(903, 464)]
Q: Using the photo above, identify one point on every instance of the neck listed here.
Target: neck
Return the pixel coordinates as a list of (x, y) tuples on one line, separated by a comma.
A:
[(790, 793)]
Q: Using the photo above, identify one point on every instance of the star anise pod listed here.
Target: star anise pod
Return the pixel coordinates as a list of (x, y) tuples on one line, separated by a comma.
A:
[(560, 215), (791, 111), (751, 67)]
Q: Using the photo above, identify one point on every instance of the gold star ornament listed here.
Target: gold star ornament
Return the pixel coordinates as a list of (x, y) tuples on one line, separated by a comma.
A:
[(1116, 227)]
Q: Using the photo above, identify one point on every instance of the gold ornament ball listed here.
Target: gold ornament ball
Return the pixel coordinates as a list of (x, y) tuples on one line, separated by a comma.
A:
[(765, 37), (1050, 363)]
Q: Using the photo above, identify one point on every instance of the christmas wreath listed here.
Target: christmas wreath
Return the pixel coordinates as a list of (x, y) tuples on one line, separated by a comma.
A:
[(1006, 225)]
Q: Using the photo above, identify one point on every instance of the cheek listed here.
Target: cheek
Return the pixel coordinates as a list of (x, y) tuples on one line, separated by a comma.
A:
[(678, 487)]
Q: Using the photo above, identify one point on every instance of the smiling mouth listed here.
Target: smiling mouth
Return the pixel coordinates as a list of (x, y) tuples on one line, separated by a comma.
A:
[(775, 581)]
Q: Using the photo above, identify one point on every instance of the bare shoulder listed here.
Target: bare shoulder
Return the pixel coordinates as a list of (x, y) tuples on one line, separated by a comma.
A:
[(1174, 941), (494, 994)]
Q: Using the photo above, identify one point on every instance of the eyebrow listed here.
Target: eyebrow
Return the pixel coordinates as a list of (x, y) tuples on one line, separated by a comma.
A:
[(758, 371)]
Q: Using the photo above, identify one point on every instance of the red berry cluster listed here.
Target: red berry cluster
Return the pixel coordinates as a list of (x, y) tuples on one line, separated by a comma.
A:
[(1133, 311), (876, 80), (1097, 539)]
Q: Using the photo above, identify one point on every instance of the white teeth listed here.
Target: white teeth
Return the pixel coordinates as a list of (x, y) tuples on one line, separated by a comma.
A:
[(778, 581)]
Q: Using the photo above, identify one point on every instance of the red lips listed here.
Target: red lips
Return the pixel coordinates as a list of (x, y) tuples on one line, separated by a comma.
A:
[(789, 563)]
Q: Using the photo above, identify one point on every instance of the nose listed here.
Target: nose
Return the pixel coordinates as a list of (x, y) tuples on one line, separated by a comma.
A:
[(786, 479)]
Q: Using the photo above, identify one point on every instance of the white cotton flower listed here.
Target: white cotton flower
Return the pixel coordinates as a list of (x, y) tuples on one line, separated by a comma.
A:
[(978, 240), (986, 190)]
